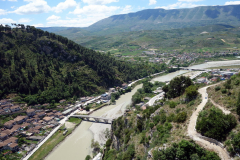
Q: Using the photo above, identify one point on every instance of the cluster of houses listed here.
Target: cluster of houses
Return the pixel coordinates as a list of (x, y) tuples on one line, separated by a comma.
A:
[(30, 125), (185, 57), (217, 75), (7, 107), (104, 98)]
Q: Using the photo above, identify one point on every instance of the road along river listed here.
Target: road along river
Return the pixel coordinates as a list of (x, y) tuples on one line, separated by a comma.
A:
[(78, 145)]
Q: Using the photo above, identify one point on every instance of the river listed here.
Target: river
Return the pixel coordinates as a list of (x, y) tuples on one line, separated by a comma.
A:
[(78, 145)]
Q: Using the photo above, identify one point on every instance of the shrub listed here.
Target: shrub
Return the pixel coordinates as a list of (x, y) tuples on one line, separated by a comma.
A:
[(181, 117), (88, 157), (171, 117), (151, 125), (217, 88), (172, 104), (87, 108), (216, 124), (224, 91)]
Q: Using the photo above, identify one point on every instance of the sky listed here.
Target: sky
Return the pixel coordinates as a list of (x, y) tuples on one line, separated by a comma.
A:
[(83, 13)]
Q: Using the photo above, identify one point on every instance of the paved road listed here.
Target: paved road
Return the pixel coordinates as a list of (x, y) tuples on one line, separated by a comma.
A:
[(157, 97), (223, 154)]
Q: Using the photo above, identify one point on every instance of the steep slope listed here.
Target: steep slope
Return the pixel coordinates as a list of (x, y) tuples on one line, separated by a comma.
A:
[(49, 67)]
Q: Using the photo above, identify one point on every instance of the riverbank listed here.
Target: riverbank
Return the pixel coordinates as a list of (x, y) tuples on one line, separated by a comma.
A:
[(72, 147), (54, 141)]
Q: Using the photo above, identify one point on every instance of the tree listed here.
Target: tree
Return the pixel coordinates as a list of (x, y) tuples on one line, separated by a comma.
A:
[(147, 87), (88, 157), (87, 108), (191, 92)]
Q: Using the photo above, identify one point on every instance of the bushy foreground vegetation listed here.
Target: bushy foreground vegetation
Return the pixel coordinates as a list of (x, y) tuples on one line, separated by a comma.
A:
[(215, 124), (44, 67), (161, 126), (184, 150)]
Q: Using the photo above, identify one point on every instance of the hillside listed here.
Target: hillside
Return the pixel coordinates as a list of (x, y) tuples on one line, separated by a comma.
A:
[(211, 38), (42, 67), (161, 19), (159, 131)]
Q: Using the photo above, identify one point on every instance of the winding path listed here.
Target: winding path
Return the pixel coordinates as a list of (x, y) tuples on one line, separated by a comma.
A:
[(225, 111), (223, 154)]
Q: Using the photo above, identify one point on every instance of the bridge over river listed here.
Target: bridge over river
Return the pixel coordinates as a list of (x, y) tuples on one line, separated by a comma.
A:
[(96, 119)]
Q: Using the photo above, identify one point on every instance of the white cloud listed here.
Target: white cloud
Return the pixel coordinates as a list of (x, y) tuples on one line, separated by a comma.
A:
[(33, 7), (126, 9), (151, 2), (13, 0), (95, 10), (99, 2), (232, 3), (179, 5), (38, 25), (53, 18), (6, 21), (86, 15), (24, 20), (3, 12), (64, 5), (12, 7)]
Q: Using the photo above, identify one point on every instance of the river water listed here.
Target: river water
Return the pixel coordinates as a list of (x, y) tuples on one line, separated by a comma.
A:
[(78, 145)]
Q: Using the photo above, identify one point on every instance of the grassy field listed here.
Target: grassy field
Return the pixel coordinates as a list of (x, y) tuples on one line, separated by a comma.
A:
[(49, 145)]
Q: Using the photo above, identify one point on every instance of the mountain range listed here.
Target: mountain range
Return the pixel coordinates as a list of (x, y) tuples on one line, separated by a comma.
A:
[(160, 19)]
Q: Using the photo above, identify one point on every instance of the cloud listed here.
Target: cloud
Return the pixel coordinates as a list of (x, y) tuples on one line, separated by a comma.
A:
[(64, 5), (24, 20), (33, 7), (53, 18), (152, 2), (12, 0), (126, 9), (99, 2), (86, 15), (232, 3), (3, 12), (12, 7), (95, 10), (6, 21), (38, 25), (179, 5)]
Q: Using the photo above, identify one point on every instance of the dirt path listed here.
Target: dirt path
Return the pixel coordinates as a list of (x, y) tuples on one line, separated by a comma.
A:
[(225, 111), (223, 40), (196, 136)]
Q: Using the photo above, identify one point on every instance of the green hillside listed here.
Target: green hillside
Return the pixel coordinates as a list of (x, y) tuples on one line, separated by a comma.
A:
[(160, 19), (42, 67), (212, 38)]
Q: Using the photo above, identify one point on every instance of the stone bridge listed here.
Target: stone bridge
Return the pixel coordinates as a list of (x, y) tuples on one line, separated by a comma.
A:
[(96, 119)]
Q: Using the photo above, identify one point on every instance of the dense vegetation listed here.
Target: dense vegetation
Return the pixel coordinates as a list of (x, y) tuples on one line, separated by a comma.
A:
[(177, 87), (44, 67), (215, 124), (217, 38), (184, 150)]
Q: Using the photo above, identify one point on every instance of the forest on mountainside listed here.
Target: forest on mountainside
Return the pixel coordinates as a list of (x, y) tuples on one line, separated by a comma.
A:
[(44, 67)]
